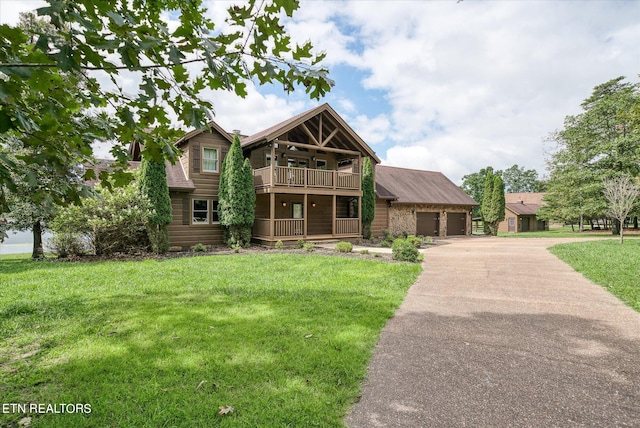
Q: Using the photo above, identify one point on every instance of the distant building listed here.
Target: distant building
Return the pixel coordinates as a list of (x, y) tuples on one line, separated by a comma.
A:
[(520, 213)]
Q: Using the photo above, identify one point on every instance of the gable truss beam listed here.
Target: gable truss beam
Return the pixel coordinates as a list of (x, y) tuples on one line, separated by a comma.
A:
[(312, 147), (306, 131), (333, 134)]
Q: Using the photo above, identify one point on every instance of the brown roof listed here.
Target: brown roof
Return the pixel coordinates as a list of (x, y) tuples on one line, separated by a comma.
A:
[(176, 177), (522, 208), (523, 203), (419, 187), (210, 125), (276, 130)]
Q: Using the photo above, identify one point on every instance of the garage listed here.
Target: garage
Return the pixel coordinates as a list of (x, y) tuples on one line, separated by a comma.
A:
[(456, 224), (427, 224)]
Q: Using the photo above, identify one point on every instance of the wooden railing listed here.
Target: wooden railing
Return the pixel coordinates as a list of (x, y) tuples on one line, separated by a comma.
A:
[(347, 226), (288, 227), (305, 177)]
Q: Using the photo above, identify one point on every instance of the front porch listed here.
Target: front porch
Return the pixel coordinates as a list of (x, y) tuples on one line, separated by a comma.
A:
[(290, 217)]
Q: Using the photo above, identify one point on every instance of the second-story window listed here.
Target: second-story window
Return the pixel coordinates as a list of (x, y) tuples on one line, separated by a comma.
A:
[(209, 159)]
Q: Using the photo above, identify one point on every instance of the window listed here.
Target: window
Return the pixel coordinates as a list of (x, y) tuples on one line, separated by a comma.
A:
[(200, 211), (297, 209), (267, 161), (321, 164), (209, 159), (303, 163), (291, 162), (214, 212)]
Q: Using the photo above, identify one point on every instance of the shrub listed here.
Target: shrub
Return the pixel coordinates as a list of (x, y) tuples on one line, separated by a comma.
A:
[(364, 251), (279, 245), (426, 240), (107, 223), (309, 246), (68, 244), (415, 241), (300, 243), (199, 248), (344, 247), (387, 239), (405, 251)]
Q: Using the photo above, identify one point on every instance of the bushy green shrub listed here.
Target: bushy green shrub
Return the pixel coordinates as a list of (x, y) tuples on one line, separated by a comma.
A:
[(199, 248), (414, 240), (426, 240), (387, 239), (279, 245), (364, 251), (309, 246), (344, 247), (107, 223), (68, 244), (300, 243), (405, 251)]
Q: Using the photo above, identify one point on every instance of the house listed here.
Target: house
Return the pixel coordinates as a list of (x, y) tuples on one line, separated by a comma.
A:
[(307, 177), (417, 202), (520, 213)]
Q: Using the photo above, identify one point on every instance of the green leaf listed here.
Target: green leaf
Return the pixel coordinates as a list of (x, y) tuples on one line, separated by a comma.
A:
[(5, 122), (116, 18), (175, 56)]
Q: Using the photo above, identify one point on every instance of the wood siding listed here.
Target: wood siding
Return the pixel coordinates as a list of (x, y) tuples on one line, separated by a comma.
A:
[(181, 232), (381, 220)]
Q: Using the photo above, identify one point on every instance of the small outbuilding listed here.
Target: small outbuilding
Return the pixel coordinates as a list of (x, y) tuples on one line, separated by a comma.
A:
[(418, 202), (520, 213)]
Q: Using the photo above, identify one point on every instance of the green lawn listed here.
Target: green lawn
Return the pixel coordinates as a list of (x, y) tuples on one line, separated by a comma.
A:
[(284, 339), (566, 232), (607, 263)]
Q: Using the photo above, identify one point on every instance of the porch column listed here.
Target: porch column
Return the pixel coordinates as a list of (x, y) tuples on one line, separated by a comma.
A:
[(360, 215), (333, 216), (305, 216), (272, 211)]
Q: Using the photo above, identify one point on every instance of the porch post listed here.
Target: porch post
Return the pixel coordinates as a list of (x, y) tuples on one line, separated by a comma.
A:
[(304, 216), (333, 216), (360, 215), (272, 211), (273, 167)]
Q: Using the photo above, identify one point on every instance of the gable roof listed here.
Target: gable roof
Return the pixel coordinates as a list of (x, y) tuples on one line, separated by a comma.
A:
[(211, 125), (523, 203), (176, 178), (419, 187), (275, 131)]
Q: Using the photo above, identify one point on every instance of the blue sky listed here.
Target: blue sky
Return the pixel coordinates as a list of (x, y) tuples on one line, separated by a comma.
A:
[(445, 85)]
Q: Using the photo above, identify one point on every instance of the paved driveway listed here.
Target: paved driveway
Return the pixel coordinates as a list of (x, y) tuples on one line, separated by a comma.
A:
[(498, 332)]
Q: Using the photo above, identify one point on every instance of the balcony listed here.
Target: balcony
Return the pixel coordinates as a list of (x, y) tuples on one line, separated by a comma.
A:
[(294, 228), (284, 176)]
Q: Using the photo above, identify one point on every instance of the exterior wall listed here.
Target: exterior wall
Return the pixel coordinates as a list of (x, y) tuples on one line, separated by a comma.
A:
[(402, 217), (182, 231), (534, 223), (381, 220)]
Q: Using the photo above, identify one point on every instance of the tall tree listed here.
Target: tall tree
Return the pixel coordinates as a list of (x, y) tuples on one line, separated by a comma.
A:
[(473, 185), (152, 184), (600, 143), (487, 196), (496, 210), (621, 194), (117, 39), (368, 197), (518, 179), (236, 196)]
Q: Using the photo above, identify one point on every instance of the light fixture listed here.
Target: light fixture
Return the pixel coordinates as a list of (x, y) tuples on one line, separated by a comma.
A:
[(284, 155), (313, 158), (284, 204), (313, 204)]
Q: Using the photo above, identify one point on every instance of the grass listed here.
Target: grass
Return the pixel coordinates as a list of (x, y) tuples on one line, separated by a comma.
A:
[(283, 339), (566, 232), (607, 263)]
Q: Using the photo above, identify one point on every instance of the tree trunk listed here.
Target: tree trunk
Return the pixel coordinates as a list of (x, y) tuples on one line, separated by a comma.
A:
[(38, 251), (616, 227), (635, 222), (581, 225)]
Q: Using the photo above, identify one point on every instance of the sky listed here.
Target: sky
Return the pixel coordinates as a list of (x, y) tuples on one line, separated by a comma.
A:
[(450, 86)]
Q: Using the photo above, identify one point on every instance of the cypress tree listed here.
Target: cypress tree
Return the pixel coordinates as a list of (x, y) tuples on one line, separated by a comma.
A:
[(368, 198), (152, 184), (236, 197), (486, 200), (497, 204)]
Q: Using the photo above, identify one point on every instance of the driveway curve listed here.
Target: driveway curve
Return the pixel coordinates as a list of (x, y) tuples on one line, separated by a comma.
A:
[(499, 332)]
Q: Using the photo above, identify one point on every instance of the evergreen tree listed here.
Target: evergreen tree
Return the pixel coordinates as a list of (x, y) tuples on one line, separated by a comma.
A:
[(496, 210), (236, 197), (153, 186), (486, 199), (368, 198)]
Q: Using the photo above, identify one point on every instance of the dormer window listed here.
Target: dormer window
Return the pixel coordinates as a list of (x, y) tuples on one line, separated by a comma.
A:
[(209, 159)]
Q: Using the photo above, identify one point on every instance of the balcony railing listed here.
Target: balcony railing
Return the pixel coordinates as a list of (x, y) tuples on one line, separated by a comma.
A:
[(291, 227), (285, 176)]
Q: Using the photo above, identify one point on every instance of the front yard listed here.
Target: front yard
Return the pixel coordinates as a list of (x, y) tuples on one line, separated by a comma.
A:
[(282, 339), (607, 263)]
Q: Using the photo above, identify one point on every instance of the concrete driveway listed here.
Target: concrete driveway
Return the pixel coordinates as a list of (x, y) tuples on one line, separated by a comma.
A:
[(498, 332)]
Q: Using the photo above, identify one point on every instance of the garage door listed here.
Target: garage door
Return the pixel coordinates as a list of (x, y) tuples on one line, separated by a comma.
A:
[(456, 224), (428, 224)]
